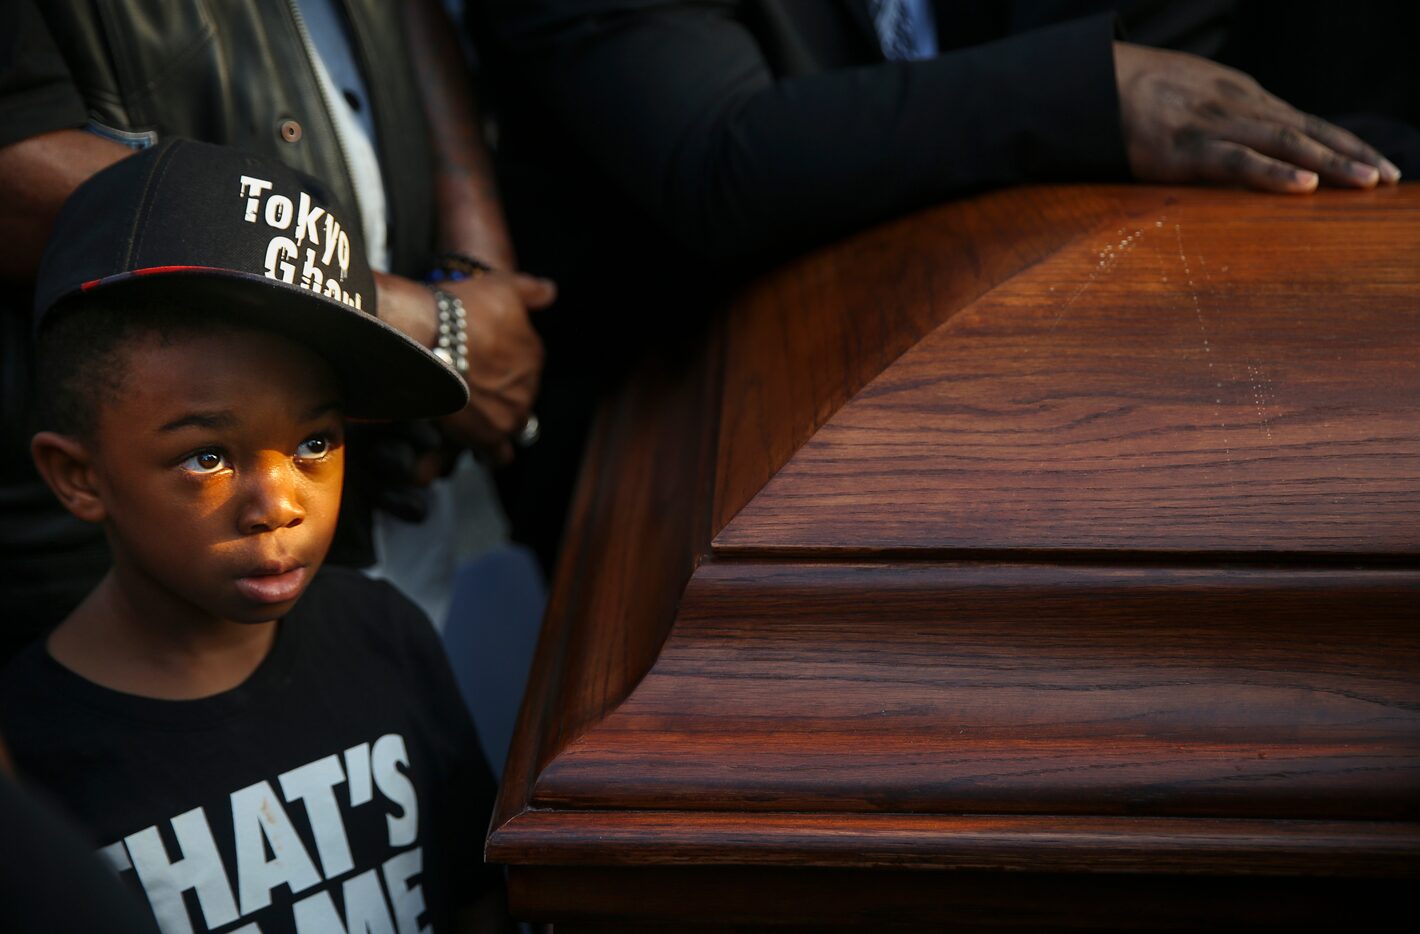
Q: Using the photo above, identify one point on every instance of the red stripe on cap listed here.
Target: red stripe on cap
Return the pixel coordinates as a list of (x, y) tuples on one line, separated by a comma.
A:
[(148, 271)]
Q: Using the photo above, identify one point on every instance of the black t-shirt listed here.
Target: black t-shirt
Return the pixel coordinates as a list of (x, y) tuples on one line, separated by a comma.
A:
[(340, 787)]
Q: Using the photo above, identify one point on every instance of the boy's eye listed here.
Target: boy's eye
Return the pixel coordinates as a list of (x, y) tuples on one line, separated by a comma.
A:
[(205, 462), (314, 448)]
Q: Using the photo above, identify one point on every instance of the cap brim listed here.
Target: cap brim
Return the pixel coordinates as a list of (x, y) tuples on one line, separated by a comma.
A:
[(384, 373)]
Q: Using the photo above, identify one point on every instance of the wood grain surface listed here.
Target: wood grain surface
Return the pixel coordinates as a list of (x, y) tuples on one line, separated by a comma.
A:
[(640, 524), (1045, 561), (1020, 689), (1227, 373), (808, 336), (1147, 846)]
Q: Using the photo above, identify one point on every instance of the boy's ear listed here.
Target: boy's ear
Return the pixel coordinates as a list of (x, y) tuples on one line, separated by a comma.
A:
[(67, 467)]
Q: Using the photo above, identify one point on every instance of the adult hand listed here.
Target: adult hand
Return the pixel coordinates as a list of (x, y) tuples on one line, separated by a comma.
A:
[(1186, 118), (504, 352), (504, 358)]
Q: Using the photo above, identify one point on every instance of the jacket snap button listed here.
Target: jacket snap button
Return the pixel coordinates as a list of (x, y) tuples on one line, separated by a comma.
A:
[(290, 131)]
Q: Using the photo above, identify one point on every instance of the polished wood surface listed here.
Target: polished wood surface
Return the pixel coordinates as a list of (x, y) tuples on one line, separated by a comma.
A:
[(638, 527), (804, 340), (998, 689), (1231, 364), (1050, 550)]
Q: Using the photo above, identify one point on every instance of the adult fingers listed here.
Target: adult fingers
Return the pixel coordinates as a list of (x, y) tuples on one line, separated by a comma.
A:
[(535, 292), (1234, 163), (469, 428), (487, 425), (506, 412), (1292, 146), (1344, 142), (521, 388)]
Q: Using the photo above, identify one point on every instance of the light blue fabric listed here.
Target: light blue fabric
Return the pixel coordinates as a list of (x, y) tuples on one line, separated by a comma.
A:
[(326, 26), (347, 100), (907, 29), (491, 635)]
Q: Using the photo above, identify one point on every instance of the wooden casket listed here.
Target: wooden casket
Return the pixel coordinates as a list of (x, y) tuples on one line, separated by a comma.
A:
[(1046, 560)]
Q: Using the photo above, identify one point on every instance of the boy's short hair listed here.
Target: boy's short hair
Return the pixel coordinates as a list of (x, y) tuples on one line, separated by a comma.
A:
[(189, 229), (82, 355)]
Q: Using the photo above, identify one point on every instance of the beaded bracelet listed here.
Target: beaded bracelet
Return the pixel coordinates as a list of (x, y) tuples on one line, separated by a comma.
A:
[(453, 331)]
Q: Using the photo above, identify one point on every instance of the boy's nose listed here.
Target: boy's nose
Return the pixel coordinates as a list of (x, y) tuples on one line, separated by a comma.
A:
[(272, 500)]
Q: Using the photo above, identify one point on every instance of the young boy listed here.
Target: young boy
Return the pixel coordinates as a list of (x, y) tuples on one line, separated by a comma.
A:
[(256, 744)]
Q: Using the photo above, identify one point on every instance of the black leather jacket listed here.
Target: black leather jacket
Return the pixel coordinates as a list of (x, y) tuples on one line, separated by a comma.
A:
[(238, 72)]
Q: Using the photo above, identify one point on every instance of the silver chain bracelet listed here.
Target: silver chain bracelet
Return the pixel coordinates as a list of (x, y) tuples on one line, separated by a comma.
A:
[(453, 331)]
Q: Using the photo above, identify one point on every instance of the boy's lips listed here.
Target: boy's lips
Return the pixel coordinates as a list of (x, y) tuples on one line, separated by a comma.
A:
[(273, 585)]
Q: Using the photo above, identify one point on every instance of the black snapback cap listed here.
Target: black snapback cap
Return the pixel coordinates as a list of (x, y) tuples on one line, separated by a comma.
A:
[(211, 229)]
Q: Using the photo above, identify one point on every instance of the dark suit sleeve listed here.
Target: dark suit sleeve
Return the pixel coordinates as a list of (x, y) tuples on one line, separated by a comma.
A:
[(676, 104)]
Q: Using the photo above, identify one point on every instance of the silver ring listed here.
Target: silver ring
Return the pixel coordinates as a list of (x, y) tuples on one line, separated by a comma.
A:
[(527, 435)]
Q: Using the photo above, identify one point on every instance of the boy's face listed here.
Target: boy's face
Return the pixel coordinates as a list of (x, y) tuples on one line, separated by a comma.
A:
[(219, 466)]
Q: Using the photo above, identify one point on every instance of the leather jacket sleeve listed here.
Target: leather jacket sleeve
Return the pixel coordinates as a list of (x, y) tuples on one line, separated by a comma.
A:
[(37, 94)]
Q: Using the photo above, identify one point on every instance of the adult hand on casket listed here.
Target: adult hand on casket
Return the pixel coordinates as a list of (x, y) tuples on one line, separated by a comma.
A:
[(1186, 119)]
